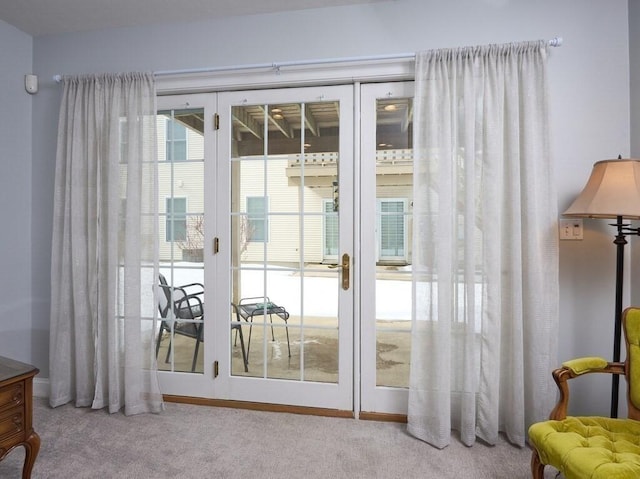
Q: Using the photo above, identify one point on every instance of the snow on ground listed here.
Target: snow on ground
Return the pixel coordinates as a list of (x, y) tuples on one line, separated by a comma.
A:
[(393, 297)]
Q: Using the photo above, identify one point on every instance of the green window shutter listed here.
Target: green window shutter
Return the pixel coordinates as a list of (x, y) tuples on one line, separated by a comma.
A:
[(392, 229), (330, 230), (176, 141), (257, 216), (176, 219)]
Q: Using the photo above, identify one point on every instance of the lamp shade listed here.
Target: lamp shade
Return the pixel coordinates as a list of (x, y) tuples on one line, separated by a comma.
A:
[(613, 190)]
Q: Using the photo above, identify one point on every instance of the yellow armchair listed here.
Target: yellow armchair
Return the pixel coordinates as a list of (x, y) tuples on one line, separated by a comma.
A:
[(593, 447)]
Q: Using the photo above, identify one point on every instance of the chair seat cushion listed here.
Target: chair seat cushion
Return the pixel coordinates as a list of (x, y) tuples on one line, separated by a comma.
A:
[(589, 447)]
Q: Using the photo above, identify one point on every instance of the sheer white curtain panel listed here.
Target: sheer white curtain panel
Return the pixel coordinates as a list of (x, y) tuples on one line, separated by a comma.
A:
[(485, 247), (104, 248)]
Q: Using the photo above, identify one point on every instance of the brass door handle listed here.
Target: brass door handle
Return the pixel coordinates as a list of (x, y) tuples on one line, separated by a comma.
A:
[(346, 261), (344, 266)]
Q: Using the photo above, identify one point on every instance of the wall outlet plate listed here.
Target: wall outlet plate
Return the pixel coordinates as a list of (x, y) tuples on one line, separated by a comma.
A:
[(571, 229)]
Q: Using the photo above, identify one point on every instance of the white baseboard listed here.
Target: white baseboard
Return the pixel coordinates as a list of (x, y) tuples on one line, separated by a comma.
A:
[(41, 387)]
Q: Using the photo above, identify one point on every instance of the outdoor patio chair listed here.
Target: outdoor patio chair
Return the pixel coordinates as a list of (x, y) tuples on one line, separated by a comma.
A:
[(249, 308), (183, 307), (237, 327)]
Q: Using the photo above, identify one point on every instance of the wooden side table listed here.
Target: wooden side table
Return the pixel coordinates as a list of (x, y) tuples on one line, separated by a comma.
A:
[(16, 411)]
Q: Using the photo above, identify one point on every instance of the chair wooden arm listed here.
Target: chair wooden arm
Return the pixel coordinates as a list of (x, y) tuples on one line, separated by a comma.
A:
[(568, 371)]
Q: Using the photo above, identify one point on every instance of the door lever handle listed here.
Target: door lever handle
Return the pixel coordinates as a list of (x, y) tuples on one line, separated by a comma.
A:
[(344, 266), (346, 262)]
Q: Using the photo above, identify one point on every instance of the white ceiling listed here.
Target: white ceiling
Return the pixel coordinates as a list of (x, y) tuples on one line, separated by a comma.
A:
[(43, 17)]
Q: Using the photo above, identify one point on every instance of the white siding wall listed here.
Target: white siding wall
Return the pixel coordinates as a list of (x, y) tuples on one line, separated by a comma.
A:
[(283, 244), (180, 180), (284, 239)]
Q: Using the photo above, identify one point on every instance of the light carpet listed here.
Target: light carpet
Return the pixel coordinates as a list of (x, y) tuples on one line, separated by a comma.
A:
[(187, 441)]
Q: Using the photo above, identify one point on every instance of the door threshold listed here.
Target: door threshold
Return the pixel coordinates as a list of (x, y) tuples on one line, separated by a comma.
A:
[(257, 406), (383, 416)]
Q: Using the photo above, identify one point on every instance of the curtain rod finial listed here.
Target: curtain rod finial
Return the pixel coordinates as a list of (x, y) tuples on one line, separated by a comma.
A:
[(555, 42)]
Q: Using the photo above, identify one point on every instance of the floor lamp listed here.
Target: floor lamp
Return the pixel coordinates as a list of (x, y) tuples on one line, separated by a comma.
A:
[(612, 192)]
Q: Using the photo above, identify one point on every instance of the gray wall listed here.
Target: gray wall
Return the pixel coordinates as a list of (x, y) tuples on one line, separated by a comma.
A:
[(15, 195), (590, 111)]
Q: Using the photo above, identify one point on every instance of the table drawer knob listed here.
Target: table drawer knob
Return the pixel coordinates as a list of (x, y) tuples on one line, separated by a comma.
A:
[(17, 420)]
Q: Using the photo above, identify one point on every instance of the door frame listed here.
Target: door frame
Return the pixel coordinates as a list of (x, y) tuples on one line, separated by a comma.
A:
[(227, 79), (322, 73)]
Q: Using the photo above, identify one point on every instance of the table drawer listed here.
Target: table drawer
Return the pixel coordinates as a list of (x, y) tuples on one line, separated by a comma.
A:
[(11, 396), (11, 423)]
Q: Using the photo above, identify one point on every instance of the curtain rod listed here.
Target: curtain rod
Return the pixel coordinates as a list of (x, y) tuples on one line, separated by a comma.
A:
[(554, 42)]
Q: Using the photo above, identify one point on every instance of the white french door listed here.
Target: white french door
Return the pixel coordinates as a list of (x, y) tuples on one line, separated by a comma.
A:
[(294, 214), (185, 148), (284, 169), (385, 205)]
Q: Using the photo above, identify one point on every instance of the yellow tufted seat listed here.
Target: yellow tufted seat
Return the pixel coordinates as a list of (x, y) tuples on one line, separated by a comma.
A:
[(590, 447), (593, 447)]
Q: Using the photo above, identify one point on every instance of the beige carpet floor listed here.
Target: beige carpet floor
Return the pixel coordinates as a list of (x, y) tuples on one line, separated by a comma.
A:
[(188, 441)]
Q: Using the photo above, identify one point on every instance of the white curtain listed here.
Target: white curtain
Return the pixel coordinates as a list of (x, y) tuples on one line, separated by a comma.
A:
[(485, 249), (104, 254)]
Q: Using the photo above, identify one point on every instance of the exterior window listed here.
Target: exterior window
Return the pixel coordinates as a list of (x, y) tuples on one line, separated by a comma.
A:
[(176, 141), (176, 219), (391, 229), (330, 230), (257, 216)]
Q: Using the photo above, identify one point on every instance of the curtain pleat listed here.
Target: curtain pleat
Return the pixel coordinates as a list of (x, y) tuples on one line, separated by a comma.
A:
[(104, 248), (485, 248)]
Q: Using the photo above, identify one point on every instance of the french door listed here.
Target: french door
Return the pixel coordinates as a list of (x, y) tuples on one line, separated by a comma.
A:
[(185, 148), (294, 213), (385, 207), (284, 211)]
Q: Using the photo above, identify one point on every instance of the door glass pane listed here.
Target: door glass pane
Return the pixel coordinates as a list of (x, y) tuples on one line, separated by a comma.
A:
[(394, 184), (283, 174), (180, 294)]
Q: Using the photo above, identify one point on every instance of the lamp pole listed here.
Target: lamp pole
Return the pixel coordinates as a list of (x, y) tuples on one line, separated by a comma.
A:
[(620, 241)]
